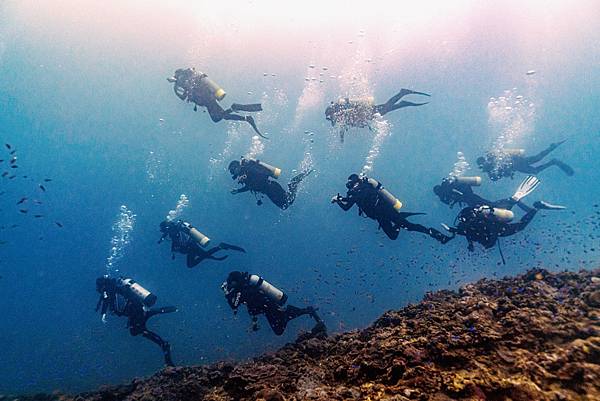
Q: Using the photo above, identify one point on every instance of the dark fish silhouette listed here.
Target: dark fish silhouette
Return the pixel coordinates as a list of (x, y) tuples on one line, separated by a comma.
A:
[(47, 179), (11, 177), (42, 188), (8, 145), (37, 216), (23, 210), (58, 224), (14, 166), (13, 160), (4, 174), (13, 152), (24, 199)]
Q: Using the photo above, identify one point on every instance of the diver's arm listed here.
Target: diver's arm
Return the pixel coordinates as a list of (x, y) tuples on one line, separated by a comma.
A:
[(344, 203), (240, 190), (183, 95)]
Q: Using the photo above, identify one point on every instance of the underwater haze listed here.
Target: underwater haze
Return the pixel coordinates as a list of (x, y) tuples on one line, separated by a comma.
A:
[(108, 150)]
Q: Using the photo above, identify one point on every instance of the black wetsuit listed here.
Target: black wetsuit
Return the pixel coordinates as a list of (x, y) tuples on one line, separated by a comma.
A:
[(257, 303), (476, 227), (137, 316), (505, 165), (182, 242), (369, 203), (452, 193), (257, 180), (188, 87)]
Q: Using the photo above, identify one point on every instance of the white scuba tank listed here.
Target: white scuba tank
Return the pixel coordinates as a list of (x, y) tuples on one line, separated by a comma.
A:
[(212, 87), (471, 181), (385, 195), (514, 152), (274, 172), (498, 214), (200, 238), (268, 289), (136, 291)]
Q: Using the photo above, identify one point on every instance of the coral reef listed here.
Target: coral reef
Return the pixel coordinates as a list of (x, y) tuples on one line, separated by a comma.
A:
[(532, 337)]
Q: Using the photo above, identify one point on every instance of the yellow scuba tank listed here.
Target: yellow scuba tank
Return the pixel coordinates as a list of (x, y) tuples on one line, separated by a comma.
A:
[(218, 92), (385, 195), (274, 172), (514, 152), (268, 289), (200, 238), (472, 181), (498, 214), (136, 291)]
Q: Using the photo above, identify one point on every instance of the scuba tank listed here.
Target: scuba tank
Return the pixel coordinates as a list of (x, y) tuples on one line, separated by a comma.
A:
[(212, 87), (200, 238), (274, 172), (268, 289), (471, 181), (514, 152), (364, 101), (497, 214), (385, 195), (132, 290)]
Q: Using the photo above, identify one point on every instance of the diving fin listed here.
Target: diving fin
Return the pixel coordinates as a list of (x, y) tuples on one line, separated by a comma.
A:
[(223, 245), (250, 121), (564, 167), (526, 187), (405, 103), (404, 92), (404, 215), (547, 206), (246, 107)]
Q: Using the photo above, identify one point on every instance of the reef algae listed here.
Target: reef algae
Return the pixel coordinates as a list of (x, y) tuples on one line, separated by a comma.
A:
[(532, 337)]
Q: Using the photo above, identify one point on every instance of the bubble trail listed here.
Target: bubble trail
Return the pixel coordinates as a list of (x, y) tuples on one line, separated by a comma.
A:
[(382, 130), (461, 166), (256, 149), (121, 228), (182, 203)]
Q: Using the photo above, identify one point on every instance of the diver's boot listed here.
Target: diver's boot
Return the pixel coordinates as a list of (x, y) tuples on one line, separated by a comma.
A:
[(250, 121), (541, 205), (246, 107), (564, 167)]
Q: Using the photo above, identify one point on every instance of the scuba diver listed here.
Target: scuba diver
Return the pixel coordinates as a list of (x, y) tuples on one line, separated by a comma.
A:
[(360, 112), (187, 240), (255, 176), (485, 223), (506, 162), (459, 190), (194, 86), (261, 297), (377, 203), (125, 297)]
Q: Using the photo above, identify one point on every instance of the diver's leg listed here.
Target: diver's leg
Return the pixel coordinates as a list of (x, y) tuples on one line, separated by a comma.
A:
[(165, 346), (246, 107), (543, 153), (389, 229), (513, 228), (554, 162), (215, 111), (277, 320), (248, 119), (277, 195), (195, 257)]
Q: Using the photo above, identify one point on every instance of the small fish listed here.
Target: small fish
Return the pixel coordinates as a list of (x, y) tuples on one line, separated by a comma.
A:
[(8, 145), (13, 152), (14, 226), (58, 224), (37, 202), (23, 211), (42, 188), (14, 166), (3, 243), (5, 174), (47, 179), (1, 160), (13, 160), (38, 216), (23, 199), (11, 177)]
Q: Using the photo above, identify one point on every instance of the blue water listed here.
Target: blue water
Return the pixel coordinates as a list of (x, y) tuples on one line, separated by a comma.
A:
[(91, 109)]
